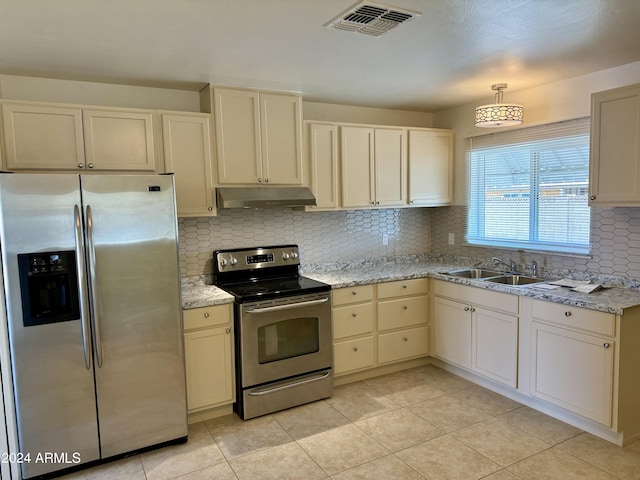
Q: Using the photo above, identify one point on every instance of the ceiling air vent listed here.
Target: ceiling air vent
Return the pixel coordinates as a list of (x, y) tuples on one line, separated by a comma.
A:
[(369, 18)]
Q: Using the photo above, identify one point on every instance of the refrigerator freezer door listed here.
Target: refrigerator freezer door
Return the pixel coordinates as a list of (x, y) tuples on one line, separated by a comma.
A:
[(53, 388), (132, 239)]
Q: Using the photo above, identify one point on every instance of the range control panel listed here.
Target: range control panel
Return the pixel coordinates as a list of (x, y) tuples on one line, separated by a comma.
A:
[(254, 258)]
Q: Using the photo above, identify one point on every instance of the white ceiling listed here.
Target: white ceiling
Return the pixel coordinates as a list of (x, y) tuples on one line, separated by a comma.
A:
[(449, 55)]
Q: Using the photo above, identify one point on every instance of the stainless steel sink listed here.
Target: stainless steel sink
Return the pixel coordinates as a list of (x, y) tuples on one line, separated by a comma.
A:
[(474, 273), (515, 280)]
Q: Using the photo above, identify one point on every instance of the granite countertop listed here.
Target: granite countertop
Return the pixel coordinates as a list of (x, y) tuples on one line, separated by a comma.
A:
[(614, 298)]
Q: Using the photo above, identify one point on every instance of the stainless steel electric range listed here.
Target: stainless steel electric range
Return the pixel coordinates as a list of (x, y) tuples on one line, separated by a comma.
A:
[(284, 347)]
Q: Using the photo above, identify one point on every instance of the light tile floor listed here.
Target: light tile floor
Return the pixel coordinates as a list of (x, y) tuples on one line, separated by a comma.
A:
[(418, 424)]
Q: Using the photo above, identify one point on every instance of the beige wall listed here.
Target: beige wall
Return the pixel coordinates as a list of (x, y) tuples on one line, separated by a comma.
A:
[(544, 104), (377, 116)]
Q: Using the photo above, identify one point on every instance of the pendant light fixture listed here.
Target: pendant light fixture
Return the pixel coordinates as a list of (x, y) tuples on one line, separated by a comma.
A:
[(499, 114)]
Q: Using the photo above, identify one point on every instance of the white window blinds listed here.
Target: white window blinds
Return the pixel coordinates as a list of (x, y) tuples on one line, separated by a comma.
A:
[(528, 188)]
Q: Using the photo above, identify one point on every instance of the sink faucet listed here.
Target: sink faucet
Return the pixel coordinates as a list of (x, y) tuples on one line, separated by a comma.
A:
[(512, 266), (534, 268)]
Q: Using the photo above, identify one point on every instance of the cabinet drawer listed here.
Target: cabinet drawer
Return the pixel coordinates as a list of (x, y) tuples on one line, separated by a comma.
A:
[(207, 316), (583, 319), (353, 355), (404, 344), (352, 320), (361, 293), (402, 312), (405, 287), (504, 302)]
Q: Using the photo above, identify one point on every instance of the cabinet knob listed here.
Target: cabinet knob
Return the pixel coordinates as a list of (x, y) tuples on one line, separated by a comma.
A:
[(372, 203), (567, 314), (90, 165), (404, 307), (606, 345), (354, 293), (206, 314), (472, 309), (259, 180), (266, 180), (210, 209), (592, 197), (355, 349), (404, 286), (354, 315), (81, 165), (405, 339), (466, 309), (228, 330)]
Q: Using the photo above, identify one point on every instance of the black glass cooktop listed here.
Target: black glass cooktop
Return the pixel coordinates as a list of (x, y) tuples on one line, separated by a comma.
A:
[(266, 289)]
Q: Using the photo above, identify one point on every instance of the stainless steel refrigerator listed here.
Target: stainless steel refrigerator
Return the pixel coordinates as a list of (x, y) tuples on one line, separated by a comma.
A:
[(90, 268)]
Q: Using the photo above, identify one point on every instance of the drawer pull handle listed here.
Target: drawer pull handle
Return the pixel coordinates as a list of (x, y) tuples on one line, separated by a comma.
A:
[(473, 309), (404, 307), (606, 345), (405, 339), (354, 293), (404, 286), (206, 314), (355, 349), (466, 309), (228, 330), (567, 314), (354, 315)]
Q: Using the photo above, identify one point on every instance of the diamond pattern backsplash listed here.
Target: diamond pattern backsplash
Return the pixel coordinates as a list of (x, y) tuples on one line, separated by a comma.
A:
[(321, 236)]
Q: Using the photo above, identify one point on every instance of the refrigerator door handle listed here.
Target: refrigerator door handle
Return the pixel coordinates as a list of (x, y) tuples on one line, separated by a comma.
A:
[(97, 337), (82, 288)]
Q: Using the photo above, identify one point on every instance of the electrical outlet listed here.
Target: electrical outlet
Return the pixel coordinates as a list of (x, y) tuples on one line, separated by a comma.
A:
[(452, 238)]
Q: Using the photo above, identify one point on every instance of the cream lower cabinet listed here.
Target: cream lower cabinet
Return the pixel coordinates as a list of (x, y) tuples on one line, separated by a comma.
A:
[(374, 166), (209, 357), (353, 327), (477, 329), (402, 316), (187, 154), (614, 169), (573, 357)]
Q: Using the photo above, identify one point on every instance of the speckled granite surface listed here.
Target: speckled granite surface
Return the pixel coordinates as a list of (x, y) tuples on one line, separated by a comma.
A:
[(618, 295)]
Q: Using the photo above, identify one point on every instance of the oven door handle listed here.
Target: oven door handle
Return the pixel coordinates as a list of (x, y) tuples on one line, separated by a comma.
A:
[(290, 385), (285, 307)]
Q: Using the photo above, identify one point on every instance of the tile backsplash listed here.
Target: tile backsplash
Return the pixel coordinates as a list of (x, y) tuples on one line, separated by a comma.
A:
[(360, 234), (321, 236)]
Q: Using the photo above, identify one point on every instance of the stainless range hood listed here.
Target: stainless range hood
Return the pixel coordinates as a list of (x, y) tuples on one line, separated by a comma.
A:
[(264, 197)]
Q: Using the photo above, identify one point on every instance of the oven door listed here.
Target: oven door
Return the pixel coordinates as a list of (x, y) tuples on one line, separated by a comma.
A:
[(285, 337)]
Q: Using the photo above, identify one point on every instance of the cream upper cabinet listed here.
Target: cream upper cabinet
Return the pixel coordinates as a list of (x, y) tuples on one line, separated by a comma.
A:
[(430, 159), (119, 140), (614, 174), (42, 137), (322, 151), (187, 154), (258, 137), (374, 166)]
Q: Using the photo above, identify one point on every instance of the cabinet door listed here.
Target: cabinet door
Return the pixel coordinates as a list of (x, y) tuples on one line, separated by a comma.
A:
[(495, 345), (390, 167), (357, 144), (430, 167), (187, 154), (209, 365), (452, 332), (281, 133), (322, 144), (237, 122), (574, 371), (42, 137), (614, 173), (118, 140)]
